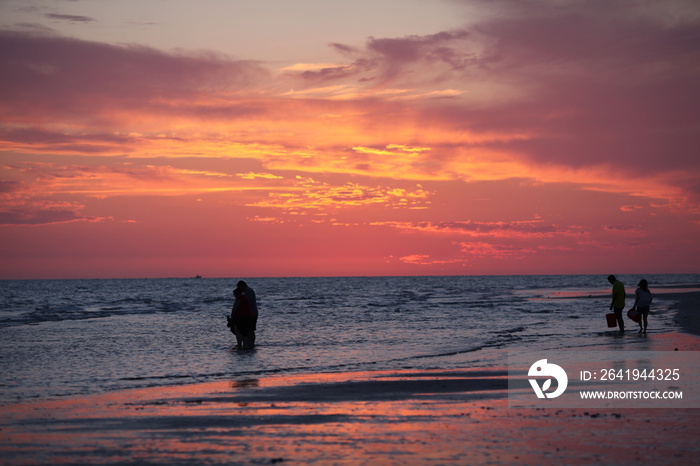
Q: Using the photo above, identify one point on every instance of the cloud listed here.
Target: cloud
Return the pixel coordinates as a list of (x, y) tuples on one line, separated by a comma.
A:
[(414, 61), (555, 94), (629, 230), (70, 18), (630, 208), (391, 150), (494, 251), (34, 27), (321, 72), (260, 219), (42, 212), (9, 186), (528, 229), (40, 140), (253, 176), (469, 252), (384, 60), (609, 84), (412, 49), (37, 217), (42, 180), (69, 79), (425, 259), (312, 195), (592, 85)]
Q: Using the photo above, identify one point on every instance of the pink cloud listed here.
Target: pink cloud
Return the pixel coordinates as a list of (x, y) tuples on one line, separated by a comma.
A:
[(37, 216), (36, 139), (633, 230), (504, 229), (66, 78), (42, 212), (494, 251), (425, 259), (384, 59), (604, 85)]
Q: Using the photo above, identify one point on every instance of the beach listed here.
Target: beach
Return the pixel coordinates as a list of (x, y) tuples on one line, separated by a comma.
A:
[(348, 417), (688, 310)]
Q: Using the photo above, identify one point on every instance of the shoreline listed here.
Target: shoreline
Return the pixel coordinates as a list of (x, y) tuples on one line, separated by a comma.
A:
[(389, 417)]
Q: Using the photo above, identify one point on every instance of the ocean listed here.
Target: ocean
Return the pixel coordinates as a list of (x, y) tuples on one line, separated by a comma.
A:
[(64, 338)]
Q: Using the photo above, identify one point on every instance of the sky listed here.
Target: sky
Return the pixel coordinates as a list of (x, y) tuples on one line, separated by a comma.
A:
[(154, 138)]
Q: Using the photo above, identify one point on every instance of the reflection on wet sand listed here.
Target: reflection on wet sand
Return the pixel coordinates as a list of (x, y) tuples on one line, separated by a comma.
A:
[(245, 383), (385, 417)]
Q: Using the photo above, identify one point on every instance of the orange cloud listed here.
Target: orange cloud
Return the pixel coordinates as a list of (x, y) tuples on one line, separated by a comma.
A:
[(43, 179), (313, 195), (254, 176), (244, 118)]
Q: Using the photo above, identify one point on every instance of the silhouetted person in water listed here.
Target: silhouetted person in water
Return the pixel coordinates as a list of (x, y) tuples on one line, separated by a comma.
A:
[(642, 301), (249, 294), (242, 320), (618, 300)]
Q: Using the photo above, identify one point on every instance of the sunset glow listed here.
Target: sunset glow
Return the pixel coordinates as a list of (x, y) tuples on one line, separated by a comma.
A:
[(388, 138)]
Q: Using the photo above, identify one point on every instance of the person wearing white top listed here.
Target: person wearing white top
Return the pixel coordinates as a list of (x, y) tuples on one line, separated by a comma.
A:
[(642, 301)]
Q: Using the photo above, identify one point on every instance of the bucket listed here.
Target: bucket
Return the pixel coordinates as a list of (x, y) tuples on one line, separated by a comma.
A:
[(612, 320), (634, 315)]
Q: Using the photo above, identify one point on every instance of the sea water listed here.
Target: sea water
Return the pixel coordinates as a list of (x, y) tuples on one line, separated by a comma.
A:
[(62, 338)]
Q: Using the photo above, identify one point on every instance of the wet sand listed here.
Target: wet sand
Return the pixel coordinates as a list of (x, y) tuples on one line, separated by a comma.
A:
[(688, 316), (400, 417)]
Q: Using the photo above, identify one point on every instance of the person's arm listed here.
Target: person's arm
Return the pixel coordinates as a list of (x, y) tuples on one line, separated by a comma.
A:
[(612, 303), (636, 299)]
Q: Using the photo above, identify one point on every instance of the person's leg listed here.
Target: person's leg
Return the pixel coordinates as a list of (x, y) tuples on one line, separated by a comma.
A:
[(645, 314), (255, 327), (248, 333), (239, 337), (640, 319), (620, 321)]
